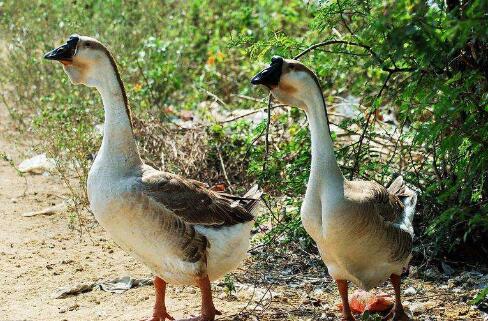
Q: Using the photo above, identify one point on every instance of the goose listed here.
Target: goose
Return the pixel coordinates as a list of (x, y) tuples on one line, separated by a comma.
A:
[(184, 232), (363, 230)]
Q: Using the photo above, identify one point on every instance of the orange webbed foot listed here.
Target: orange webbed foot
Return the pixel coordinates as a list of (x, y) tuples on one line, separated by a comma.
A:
[(159, 316)]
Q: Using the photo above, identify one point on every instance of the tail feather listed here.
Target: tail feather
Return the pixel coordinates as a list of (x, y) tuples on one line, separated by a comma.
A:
[(253, 197), (406, 195), (249, 201)]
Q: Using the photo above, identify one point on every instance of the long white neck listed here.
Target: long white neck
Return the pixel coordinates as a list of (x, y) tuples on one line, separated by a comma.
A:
[(119, 149), (325, 174)]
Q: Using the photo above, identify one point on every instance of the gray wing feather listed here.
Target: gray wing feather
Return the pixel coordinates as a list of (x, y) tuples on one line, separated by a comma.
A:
[(193, 202)]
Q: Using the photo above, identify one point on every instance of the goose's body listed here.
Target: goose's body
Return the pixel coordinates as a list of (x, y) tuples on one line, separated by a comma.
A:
[(171, 247), (184, 232), (363, 231), (364, 239)]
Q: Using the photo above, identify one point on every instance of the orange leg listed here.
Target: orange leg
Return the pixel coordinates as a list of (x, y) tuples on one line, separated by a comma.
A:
[(346, 310), (159, 311), (208, 309), (398, 313)]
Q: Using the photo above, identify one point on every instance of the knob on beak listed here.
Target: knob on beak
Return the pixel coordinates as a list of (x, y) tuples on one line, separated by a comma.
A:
[(64, 52), (269, 76), (276, 59)]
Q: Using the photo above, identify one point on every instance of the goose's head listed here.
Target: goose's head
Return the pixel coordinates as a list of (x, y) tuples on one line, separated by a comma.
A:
[(83, 58), (290, 81)]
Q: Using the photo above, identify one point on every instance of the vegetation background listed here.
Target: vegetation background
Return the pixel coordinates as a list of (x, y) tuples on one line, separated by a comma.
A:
[(424, 64)]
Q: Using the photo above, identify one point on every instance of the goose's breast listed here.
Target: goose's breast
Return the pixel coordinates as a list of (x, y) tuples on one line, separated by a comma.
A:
[(134, 223), (357, 253)]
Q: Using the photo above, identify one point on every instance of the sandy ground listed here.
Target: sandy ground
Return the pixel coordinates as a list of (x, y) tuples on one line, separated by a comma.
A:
[(40, 254)]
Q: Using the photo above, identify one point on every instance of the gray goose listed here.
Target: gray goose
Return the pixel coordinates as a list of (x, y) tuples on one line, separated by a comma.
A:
[(185, 233), (363, 231)]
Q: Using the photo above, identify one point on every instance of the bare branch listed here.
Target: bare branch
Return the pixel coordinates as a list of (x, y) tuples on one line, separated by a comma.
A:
[(214, 96), (335, 42), (251, 113), (224, 171), (268, 122), (366, 126), (365, 47)]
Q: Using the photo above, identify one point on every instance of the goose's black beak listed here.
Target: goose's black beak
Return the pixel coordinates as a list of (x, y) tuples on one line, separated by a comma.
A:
[(270, 76), (64, 52)]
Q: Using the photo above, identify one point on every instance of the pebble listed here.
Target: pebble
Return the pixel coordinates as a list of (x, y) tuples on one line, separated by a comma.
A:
[(410, 291), (420, 307), (73, 307)]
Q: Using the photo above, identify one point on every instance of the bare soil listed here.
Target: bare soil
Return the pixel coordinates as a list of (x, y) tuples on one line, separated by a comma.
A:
[(42, 253)]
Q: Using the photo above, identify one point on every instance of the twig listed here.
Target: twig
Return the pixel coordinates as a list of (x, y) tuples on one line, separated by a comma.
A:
[(344, 22), (223, 168), (248, 98), (335, 42), (346, 53), (254, 141), (366, 126), (268, 122), (250, 113), (365, 47), (214, 96)]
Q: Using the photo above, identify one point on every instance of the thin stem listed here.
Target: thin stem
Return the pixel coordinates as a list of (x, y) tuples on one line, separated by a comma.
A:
[(268, 122), (366, 126)]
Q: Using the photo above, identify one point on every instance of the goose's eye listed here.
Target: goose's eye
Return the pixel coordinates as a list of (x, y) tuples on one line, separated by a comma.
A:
[(291, 67), (88, 45)]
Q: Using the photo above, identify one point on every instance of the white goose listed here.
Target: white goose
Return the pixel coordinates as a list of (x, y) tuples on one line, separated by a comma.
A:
[(184, 232), (363, 231)]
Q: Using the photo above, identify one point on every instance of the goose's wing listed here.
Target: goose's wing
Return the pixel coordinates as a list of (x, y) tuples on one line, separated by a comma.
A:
[(387, 204), (375, 201), (373, 196), (193, 202)]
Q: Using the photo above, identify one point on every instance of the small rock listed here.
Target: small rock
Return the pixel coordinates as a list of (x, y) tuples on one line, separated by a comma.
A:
[(73, 307), (420, 307), (432, 273), (318, 291), (414, 271), (37, 164), (410, 291), (448, 270)]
